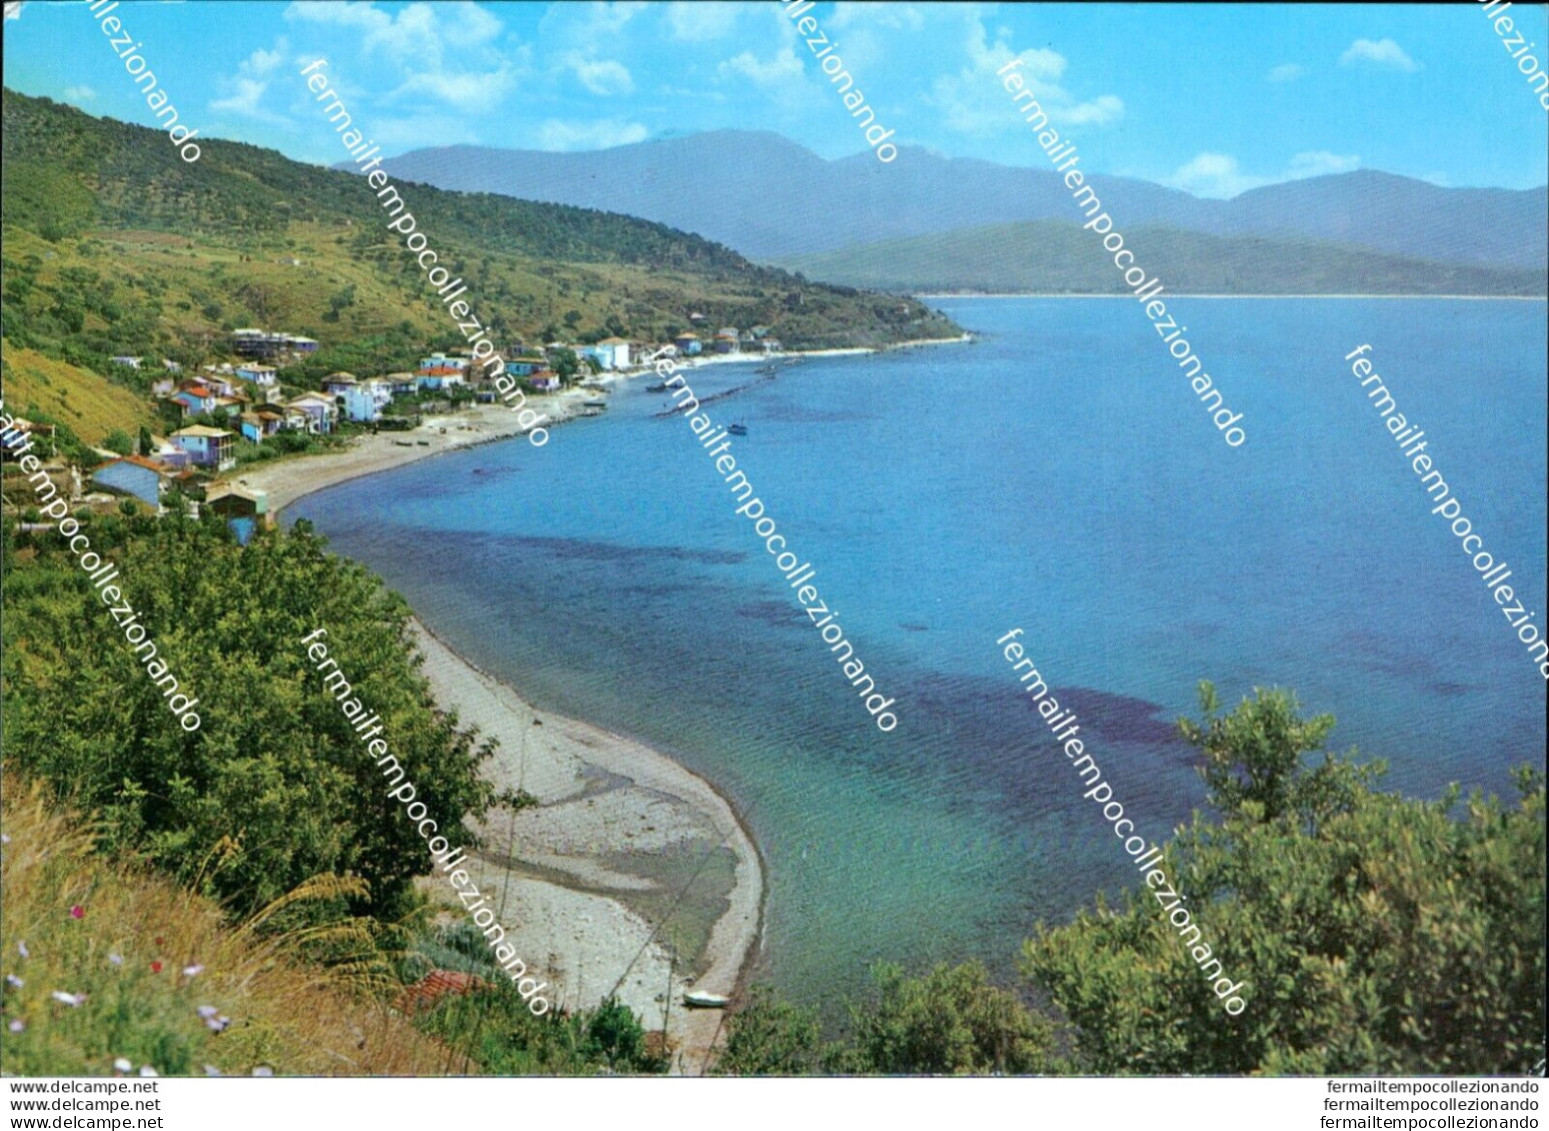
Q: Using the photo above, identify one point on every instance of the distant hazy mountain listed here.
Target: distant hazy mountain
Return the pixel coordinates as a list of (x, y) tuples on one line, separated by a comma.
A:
[(768, 197), (1058, 257)]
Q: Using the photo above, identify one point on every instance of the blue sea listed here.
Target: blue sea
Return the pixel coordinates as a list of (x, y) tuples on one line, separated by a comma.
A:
[(1059, 475)]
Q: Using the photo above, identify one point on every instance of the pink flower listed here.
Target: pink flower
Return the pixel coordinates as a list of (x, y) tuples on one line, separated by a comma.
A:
[(77, 912), (116, 959), (263, 1070), (211, 1070), (12, 979), (69, 999), (17, 1026), (207, 1011), (21, 949), (147, 1070)]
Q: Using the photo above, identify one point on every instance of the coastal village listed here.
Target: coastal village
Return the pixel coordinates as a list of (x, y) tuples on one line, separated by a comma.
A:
[(240, 439), (239, 411)]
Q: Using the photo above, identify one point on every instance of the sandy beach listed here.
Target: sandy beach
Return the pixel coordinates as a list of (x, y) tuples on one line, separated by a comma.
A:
[(618, 822)]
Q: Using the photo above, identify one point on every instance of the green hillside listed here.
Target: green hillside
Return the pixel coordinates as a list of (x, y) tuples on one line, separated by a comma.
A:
[(1058, 257), (114, 245)]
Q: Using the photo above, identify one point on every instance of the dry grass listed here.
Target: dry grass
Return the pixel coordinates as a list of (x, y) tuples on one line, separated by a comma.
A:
[(126, 940), (91, 406)]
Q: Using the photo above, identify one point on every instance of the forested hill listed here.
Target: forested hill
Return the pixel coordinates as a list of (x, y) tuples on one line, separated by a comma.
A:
[(246, 236)]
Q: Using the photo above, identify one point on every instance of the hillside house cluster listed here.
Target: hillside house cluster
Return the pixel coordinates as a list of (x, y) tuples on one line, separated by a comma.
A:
[(265, 346)]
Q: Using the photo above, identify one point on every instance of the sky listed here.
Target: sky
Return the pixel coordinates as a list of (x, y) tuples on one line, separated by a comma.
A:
[(1212, 99)]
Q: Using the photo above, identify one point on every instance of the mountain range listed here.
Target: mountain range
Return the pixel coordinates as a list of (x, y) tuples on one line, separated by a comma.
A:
[(770, 199), (1058, 257)]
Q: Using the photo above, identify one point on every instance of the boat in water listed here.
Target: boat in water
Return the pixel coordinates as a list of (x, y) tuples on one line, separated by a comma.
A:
[(659, 387), (594, 404), (698, 999), (737, 429)]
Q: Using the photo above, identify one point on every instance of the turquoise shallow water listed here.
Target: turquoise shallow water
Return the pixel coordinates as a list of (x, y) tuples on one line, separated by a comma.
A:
[(1058, 475)]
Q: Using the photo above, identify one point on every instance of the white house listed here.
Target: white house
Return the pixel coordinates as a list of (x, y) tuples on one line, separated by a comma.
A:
[(365, 400), (264, 376), (612, 353)]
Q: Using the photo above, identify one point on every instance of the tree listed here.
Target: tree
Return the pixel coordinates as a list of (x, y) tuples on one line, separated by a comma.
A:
[(615, 1037), (147, 446), (276, 786), (770, 1037), (1374, 934), (118, 441), (565, 364), (950, 1022)]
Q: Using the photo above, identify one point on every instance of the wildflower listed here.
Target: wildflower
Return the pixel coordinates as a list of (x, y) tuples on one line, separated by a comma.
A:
[(211, 1070), (21, 949), (69, 999), (192, 971), (77, 912), (17, 1026), (156, 967), (215, 1025), (263, 1070), (207, 1011), (122, 1064), (13, 980), (147, 1070), (159, 940), (116, 959)]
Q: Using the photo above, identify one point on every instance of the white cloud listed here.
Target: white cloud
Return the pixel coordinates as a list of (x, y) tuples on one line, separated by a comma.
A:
[(469, 91), (1219, 176), (847, 14), (702, 21), (79, 93), (1321, 162), (242, 93), (1213, 175), (783, 67), (1383, 53), (581, 27), (1101, 111), (418, 34), (438, 49), (975, 102), (600, 76), (600, 133), (1285, 72)]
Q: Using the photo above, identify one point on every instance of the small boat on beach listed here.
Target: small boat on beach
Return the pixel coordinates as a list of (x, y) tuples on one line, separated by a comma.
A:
[(737, 429), (698, 999), (594, 404)]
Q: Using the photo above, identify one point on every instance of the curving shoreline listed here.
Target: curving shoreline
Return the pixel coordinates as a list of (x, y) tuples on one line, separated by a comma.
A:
[(572, 921), (569, 870)]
